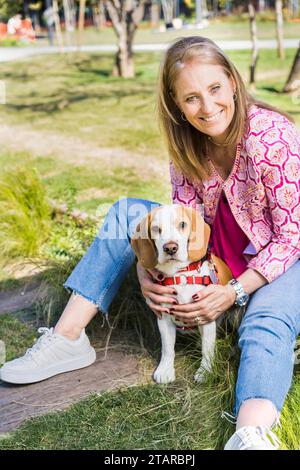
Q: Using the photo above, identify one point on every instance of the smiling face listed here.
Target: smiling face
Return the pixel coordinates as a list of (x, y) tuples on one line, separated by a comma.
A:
[(204, 94)]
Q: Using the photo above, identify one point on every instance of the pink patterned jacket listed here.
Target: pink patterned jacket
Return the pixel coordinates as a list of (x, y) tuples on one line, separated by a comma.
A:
[(263, 191)]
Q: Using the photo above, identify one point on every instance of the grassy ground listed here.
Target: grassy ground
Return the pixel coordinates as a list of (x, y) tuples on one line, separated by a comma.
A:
[(75, 95), (94, 138)]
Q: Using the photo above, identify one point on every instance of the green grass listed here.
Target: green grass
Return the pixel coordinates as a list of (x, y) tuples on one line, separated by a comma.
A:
[(24, 212), (182, 415), (17, 335), (76, 95)]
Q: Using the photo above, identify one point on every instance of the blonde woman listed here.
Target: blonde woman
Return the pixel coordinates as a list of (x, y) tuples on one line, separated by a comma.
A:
[(241, 159)]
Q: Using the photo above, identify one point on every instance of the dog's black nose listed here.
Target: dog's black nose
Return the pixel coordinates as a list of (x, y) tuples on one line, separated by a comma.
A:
[(170, 248)]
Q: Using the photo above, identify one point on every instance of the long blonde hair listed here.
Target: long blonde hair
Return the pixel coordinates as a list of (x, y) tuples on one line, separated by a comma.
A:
[(187, 146)]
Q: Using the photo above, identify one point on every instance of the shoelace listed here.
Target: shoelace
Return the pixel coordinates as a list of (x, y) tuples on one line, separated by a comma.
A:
[(47, 337), (253, 436)]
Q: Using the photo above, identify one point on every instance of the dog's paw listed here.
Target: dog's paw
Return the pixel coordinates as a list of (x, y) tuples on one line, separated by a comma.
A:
[(201, 375), (164, 375)]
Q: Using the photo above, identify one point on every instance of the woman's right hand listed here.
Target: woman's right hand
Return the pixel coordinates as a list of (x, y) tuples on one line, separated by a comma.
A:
[(155, 294)]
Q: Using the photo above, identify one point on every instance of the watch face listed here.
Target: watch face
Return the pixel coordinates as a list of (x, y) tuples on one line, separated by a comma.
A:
[(241, 301)]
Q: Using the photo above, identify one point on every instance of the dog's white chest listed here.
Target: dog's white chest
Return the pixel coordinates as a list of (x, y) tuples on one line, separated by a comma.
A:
[(185, 291)]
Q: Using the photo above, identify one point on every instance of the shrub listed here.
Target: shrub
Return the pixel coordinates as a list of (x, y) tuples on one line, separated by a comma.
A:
[(24, 212)]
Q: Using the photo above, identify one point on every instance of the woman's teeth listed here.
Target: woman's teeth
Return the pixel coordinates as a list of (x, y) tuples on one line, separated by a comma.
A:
[(214, 117)]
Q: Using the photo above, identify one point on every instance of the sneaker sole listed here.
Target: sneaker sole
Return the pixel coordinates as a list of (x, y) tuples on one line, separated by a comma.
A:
[(67, 366)]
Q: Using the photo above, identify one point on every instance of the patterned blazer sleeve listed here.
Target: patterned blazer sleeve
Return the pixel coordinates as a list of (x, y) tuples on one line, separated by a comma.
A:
[(184, 191), (280, 169)]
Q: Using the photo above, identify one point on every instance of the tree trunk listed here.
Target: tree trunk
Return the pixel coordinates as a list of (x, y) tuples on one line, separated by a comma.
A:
[(253, 31), (125, 17), (81, 21), (293, 8), (99, 19), (204, 8), (215, 7), (279, 29), (199, 12), (167, 6), (155, 13), (124, 66), (96, 17), (57, 26), (102, 15), (70, 21), (293, 81)]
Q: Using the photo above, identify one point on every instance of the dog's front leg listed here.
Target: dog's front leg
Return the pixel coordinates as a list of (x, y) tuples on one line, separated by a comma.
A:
[(208, 333), (165, 371)]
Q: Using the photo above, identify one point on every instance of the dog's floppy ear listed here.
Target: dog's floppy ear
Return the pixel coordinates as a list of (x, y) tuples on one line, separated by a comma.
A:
[(199, 235), (143, 245)]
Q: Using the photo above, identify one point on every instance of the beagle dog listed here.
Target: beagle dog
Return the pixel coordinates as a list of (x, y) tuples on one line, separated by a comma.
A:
[(174, 239)]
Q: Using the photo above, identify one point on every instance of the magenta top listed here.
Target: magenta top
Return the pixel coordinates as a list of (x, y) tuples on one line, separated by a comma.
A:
[(227, 239)]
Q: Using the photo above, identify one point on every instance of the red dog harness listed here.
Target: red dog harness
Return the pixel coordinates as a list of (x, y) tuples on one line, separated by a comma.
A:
[(193, 279)]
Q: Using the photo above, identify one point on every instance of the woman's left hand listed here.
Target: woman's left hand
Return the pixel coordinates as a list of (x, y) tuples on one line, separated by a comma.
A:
[(209, 303)]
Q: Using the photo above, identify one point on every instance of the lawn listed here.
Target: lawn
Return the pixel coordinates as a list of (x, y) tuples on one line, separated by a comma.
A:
[(93, 138)]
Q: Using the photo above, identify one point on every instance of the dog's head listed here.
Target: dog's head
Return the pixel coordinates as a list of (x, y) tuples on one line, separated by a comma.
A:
[(170, 234)]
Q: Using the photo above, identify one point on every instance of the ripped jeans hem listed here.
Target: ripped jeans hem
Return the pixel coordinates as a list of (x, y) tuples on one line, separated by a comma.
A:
[(71, 289)]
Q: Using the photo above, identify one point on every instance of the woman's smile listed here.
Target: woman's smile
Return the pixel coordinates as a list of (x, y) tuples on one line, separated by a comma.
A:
[(213, 118)]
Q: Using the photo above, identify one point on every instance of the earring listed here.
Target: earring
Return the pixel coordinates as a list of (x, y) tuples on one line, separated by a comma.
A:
[(183, 117), (234, 96)]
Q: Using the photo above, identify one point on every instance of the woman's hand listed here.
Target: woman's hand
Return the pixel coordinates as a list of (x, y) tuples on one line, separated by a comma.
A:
[(208, 305), (154, 293)]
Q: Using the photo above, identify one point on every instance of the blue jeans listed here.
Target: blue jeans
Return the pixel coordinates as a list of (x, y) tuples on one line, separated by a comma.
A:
[(267, 333)]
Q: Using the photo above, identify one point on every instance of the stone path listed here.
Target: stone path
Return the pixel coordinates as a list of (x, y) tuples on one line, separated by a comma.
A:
[(20, 402)]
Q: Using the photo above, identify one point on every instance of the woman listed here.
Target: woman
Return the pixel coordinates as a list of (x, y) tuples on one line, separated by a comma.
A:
[(241, 159)]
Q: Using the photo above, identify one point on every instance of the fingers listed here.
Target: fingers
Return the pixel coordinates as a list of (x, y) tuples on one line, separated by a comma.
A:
[(156, 308), (156, 274), (161, 293)]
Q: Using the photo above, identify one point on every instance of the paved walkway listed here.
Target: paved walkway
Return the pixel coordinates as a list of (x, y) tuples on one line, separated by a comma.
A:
[(20, 402), (15, 53)]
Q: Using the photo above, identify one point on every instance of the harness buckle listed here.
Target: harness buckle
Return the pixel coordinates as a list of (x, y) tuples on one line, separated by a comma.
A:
[(183, 280)]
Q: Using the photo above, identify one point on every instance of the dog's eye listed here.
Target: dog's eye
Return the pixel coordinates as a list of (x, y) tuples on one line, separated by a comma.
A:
[(182, 225), (155, 229)]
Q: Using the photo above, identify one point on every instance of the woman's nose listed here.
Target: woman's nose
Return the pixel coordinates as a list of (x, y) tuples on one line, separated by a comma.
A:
[(207, 107)]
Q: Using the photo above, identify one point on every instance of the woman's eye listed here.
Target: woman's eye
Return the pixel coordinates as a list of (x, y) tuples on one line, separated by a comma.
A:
[(191, 99), (215, 89), (182, 225)]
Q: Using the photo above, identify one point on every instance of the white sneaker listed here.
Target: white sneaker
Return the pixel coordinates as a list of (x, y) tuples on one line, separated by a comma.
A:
[(50, 355), (253, 438)]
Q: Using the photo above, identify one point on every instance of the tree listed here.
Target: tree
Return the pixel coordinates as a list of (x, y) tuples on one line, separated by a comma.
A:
[(155, 13), (70, 19), (293, 81), (253, 31), (57, 25), (81, 21), (8, 9), (125, 16), (279, 29), (98, 14), (168, 11)]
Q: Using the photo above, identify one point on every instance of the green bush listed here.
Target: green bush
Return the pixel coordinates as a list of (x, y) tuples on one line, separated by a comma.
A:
[(24, 213)]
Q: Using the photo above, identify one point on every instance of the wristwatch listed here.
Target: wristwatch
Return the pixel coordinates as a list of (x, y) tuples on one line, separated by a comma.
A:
[(241, 296)]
